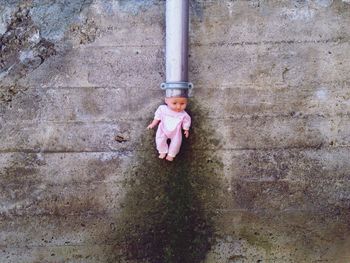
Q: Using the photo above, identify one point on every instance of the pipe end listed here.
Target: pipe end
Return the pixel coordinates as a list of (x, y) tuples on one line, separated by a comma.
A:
[(169, 93)]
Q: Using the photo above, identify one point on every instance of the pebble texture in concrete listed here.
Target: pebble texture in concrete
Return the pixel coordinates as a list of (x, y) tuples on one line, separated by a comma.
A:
[(267, 166)]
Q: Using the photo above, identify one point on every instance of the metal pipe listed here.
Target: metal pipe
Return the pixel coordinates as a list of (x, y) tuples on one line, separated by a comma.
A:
[(176, 50)]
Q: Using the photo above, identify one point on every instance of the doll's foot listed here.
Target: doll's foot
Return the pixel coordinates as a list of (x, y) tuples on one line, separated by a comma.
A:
[(169, 158), (162, 155)]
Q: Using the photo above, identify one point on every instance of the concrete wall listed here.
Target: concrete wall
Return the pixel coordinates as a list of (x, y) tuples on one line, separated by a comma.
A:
[(264, 176)]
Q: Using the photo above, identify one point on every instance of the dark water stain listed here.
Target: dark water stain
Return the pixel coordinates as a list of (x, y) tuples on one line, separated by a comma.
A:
[(20, 183), (170, 209)]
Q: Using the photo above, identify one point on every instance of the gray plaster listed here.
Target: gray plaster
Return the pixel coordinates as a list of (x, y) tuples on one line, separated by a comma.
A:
[(54, 17)]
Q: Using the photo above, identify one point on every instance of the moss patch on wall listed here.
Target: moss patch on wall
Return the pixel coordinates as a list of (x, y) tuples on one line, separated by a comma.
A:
[(169, 211)]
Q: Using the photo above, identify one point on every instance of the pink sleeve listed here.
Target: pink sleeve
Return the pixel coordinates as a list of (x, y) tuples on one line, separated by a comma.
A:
[(158, 113), (186, 122)]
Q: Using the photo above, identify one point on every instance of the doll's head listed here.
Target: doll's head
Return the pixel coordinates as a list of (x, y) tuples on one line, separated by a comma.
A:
[(176, 104)]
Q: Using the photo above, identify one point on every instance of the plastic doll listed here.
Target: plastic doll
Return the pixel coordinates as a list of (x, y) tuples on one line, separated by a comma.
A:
[(172, 119)]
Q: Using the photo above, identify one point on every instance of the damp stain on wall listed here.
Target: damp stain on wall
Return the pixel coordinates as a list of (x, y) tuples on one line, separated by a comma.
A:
[(169, 211)]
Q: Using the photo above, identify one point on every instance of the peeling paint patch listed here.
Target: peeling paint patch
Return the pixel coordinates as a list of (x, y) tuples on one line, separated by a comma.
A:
[(22, 50), (5, 17), (85, 32)]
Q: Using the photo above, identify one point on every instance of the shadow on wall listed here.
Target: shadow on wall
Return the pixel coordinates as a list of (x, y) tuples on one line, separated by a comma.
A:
[(168, 214)]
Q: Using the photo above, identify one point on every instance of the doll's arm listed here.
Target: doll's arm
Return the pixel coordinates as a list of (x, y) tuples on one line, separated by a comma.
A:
[(186, 133), (157, 117), (153, 124), (186, 125)]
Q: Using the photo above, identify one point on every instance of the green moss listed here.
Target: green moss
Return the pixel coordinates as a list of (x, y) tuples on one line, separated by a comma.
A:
[(169, 210), (255, 239)]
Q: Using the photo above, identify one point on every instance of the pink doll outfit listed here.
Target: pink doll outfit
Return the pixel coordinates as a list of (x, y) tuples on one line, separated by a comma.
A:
[(170, 127)]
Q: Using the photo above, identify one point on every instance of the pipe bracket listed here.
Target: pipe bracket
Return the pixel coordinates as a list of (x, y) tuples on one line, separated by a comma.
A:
[(176, 85)]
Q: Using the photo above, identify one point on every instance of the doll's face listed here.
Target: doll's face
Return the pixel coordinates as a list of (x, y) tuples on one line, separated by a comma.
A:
[(177, 104)]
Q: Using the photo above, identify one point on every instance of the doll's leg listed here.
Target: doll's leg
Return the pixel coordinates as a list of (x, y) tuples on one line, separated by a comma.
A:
[(162, 145), (175, 145)]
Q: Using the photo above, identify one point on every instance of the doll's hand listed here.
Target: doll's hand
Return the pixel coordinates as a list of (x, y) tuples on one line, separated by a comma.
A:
[(153, 124), (187, 133)]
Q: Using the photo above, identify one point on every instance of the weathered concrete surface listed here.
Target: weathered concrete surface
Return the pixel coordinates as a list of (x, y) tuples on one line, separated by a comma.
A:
[(267, 164)]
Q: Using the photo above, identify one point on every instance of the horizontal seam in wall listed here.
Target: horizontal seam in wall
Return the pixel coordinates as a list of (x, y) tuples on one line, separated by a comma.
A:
[(231, 44), (113, 216), (64, 245), (228, 44), (281, 42), (298, 116), (276, 85), (119, 46), (127, 151)]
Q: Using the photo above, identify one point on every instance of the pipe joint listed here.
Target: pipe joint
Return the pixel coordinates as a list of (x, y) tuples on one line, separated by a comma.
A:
[(176, 89)]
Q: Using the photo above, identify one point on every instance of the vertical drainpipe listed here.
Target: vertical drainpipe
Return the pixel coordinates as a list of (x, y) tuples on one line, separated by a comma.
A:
[(176, 49)]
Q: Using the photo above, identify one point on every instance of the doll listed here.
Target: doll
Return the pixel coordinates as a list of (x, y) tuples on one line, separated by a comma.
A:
[(172, 119)]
